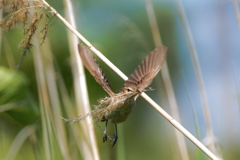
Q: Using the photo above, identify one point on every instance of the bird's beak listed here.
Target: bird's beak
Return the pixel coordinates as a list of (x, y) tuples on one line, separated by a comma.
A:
[(138, 91)]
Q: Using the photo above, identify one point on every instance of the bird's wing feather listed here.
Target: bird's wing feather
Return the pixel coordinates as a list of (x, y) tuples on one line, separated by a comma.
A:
[(147, 70), (94, 68)]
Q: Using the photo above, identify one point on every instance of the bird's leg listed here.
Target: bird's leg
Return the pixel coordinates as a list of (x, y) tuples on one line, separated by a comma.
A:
[(105, 132), (115, 136)]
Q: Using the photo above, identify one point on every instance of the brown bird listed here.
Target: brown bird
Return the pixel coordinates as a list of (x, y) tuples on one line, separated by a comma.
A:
[(117, 107)]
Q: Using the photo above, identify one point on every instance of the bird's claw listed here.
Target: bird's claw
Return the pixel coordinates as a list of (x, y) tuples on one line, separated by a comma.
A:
[(114, 140), (104, 138)]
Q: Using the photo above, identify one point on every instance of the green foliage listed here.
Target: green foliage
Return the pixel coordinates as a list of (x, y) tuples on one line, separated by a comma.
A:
[(15, 98)]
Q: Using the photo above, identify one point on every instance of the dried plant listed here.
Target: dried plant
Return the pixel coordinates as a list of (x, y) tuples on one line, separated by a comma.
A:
[(20, 15)]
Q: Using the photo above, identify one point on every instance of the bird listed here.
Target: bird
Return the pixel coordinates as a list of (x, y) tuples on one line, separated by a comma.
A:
[(117, 107)]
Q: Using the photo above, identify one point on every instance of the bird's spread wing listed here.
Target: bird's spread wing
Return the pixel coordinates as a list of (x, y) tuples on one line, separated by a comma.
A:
[(147, 70), (94, 68)]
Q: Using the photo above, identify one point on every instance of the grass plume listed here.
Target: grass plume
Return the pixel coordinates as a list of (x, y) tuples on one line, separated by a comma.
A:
[(18, 15)]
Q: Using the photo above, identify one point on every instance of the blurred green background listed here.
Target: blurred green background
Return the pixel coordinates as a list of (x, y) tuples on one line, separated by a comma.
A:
[(121, 31)]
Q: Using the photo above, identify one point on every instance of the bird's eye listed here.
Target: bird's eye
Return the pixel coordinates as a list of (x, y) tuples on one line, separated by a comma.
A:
[(128, 89)]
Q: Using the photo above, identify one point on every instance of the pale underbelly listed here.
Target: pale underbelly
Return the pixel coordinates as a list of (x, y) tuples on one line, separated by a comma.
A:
[(120, 114)]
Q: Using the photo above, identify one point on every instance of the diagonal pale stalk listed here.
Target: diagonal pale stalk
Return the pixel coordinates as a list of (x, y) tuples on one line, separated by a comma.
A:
[(1, 16), (197, 68), (9, 56), (13, 105), (19, 141), (81, 94), (58, 125), (235, 3), (49, 103), (182, 147), (124, 77), (44, 103), (237, 83), (196, 123), (75, 130)]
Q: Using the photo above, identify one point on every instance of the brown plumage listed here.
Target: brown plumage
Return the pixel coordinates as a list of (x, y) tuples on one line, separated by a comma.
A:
[(117, 107), (94, 68), (143, 75)]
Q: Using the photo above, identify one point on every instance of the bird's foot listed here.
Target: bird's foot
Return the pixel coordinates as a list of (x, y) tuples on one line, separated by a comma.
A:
[(114, 140), (104, 138)]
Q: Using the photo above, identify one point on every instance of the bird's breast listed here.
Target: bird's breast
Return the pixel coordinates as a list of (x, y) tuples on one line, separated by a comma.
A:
[(120, 112)]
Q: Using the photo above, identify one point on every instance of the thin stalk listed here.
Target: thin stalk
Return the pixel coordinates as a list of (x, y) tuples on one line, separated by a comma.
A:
[(1, 16), (167, 80), (35, 145), (198, 135), (81, 93), (237, 84), (55, 101), (43, 101), (235, 3), (197, 68), (19, 141), (78, 138), (9, 57), (10, 106), (124, 77)]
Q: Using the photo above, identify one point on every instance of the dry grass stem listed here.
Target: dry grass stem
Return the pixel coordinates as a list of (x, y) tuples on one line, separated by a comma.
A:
[(19, 140), (167, 80), (1, 16), (209, 130), (54, 100), (20, 15), (43, 103), (235, 3), (81, 94), (82, 144)]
